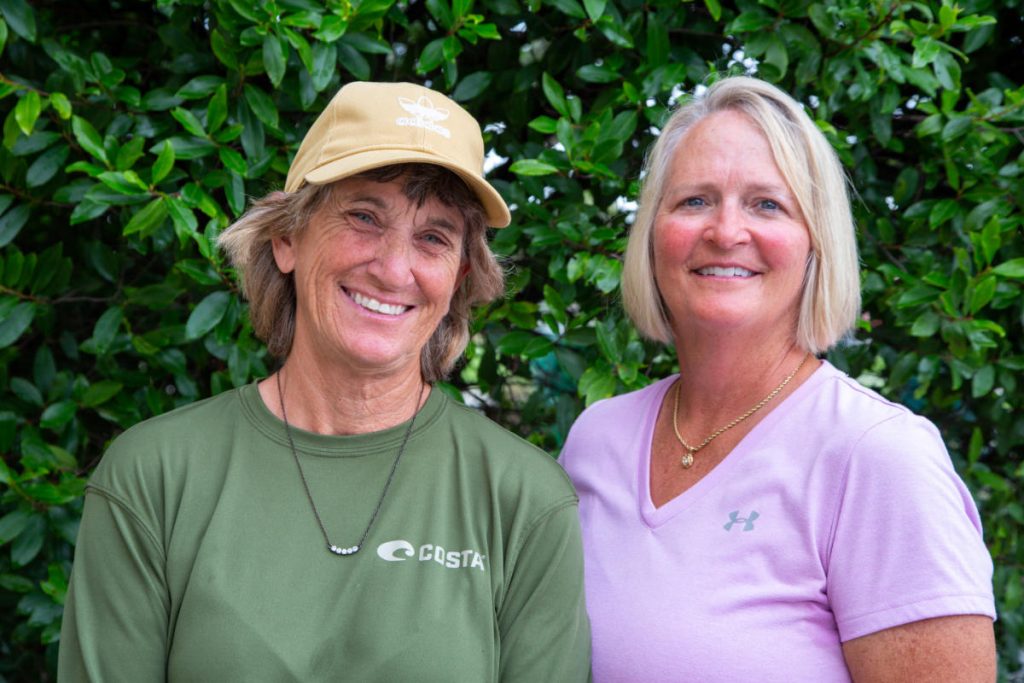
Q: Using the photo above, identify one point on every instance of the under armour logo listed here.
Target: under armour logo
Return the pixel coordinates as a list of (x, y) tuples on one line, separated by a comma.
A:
[(747, 522)]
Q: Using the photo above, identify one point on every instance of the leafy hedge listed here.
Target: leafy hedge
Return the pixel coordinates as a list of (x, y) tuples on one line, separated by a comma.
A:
[(134, 132)]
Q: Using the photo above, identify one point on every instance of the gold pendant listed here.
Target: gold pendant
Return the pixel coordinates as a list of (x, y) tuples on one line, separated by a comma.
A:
[(687, 460)]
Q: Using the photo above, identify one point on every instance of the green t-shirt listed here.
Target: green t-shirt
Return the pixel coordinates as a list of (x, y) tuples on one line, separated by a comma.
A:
[(199, 558)]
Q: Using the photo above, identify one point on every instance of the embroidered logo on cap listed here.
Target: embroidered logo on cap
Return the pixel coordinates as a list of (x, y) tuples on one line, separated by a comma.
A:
[(424, 115)]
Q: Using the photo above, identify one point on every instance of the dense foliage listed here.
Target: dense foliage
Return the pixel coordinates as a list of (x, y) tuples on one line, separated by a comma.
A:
[(134, 132)]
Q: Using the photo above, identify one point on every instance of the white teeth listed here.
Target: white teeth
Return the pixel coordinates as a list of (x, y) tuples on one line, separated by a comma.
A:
[(377, 306), (725, 272)]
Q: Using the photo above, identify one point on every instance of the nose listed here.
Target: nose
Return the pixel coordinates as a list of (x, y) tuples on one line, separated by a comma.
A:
[(727, 226), (392, 264)]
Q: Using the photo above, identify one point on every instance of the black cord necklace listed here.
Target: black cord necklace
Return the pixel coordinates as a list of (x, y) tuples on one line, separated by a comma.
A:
[(352, 549)]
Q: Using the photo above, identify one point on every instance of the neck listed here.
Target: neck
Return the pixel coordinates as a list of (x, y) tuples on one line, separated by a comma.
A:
[(343, 403), (724, 377)]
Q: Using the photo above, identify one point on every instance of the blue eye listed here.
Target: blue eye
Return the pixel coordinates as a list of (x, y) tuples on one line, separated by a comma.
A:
[(769, 204), (362, 217), (435, 239), (693, 201)]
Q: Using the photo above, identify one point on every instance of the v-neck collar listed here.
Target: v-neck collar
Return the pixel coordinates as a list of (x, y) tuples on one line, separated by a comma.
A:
[(657, 516)]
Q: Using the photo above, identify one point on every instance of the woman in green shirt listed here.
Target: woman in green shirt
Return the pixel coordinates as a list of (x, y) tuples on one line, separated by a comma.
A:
[(341, 519)]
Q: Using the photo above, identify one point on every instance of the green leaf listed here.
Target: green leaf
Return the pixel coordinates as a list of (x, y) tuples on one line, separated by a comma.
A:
[(615, 32), (247, 10), (356, 64), (106, 328), (164, 163), (441, 11), (124, 183), (983, 293), (16, 322), (20, 17), (12, 222), (555, 94), (12, 524), (544, 124), (27, 111), (262, 105), (750, 21), (29, 542), (275, 58), (88, 138), (129, 153), (57, 415), (184, 219), (595, 8), (207, 314), (926, 325), (61, 105), (597, 74), (714, 9), (956, 127), (515, 342), (570, 8), (942, 211), (324, 63), (596, 384), (331, 29), (532, 167), (487, 31), (189, 121), (926, 49), (1014, 268), (99, 393), (200, 87), (26, 391), (147, 219), (472, 86), (200, 271), (983, 381), (657, 41), (217, 109), (223, 49)]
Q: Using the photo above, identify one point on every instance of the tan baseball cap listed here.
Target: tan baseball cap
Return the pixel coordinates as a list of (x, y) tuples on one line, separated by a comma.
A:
[(369, 125)]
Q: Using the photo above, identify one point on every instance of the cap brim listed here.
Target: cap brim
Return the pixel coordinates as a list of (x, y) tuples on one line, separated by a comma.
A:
[(496, 210)]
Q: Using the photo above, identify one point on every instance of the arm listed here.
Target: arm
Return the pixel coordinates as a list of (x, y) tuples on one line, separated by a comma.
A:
[(957, 649), (910, 580), (116, 613), (545, 633)]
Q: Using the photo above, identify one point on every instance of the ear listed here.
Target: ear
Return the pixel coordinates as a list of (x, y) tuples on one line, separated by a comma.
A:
[(463, 272), (284, 252)]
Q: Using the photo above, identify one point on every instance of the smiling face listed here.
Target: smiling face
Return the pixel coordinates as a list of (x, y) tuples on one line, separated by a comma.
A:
[(730, 243), (374, 276)]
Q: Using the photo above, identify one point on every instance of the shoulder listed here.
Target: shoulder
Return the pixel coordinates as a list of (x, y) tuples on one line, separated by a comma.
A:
[(505, 454), (148, 448), (621, 411), (611, 426), (881, 432)]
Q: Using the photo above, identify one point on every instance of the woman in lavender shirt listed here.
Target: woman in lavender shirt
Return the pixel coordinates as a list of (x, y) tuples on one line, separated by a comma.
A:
[(761, 516)]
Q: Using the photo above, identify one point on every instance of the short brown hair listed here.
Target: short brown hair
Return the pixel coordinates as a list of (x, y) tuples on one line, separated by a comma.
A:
[(271, 293)]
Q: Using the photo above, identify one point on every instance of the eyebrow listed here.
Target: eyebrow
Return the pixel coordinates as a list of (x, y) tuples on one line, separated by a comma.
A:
[(685, 188)]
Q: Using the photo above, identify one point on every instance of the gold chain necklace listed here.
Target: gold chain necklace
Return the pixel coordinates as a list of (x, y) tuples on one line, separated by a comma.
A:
[(687, 459)]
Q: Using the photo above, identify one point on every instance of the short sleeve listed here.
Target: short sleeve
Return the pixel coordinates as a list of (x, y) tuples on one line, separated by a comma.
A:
[(907, 542), (116, 616), (545, 633)]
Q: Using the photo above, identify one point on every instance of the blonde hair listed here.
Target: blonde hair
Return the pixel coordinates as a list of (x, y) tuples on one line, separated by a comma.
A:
[(830, 301), (271, 293)]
